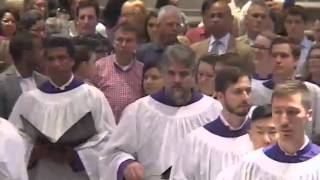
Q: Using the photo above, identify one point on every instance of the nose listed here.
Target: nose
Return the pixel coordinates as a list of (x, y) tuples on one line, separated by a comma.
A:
[(177, 79), (266, 139), (245, 95)]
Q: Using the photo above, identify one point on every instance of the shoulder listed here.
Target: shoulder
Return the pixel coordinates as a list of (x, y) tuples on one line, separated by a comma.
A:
[(105, 60), (200, 44), (9, 134)]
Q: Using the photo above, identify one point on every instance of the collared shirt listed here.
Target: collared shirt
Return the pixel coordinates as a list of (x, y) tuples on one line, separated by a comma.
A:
[(224, 41), (123, 68), (63, 87), (225, 122), (120, 87), (306, 142), (306, 45), (26, 84)]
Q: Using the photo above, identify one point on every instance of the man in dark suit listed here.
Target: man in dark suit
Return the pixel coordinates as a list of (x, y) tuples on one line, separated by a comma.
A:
[(27, 52)]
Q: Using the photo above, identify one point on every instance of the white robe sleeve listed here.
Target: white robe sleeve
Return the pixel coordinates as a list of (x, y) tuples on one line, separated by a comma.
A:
[(185, 167), (12, 153), (123, 145), (91, 151)]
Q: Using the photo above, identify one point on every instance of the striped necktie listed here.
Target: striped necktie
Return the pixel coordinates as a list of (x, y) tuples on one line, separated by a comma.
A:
[(215, 47)]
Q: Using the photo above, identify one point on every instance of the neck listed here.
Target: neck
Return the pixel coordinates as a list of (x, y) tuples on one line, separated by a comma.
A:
[(252, 35), (24, 70), (234, 121), (280, 78), (291, 146), (62, 79), (263, 70), (219, 36), (124, 59)]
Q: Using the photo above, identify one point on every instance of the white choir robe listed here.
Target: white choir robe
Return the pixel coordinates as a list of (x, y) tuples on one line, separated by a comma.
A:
[(53, 114), (149, 132), (262, 91), (12, 150), (210, 149), (272, 164)]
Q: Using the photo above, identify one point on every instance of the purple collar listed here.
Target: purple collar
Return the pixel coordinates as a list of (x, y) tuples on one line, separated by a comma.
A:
[(217, 127), (162, 97), (47, 87), (257, 77), (269, 84), (274, 152)]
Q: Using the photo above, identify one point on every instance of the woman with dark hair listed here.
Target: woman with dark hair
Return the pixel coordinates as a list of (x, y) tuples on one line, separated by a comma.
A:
[(152, 78), (313, 65), (8, 26), (151, 26)]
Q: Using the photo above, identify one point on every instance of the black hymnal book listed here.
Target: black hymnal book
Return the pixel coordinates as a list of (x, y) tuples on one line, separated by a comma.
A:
[(166, 173), (79, 133)]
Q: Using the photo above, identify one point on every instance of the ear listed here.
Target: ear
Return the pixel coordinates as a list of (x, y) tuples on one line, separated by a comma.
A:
[(309, 115), (220, 96)]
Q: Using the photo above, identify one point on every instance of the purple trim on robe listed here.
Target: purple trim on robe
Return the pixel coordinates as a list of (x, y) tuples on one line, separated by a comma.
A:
[(77, 164), (164, 99), (269, 84), (274, 152), (47, 87), (122, 167), (217, 127), (257, 77)]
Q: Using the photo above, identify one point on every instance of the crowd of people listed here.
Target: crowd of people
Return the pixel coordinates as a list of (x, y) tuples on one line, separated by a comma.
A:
[(137, 93)]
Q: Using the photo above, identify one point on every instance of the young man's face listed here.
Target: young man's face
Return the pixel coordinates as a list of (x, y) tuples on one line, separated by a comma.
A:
[(87, 21), (59, 62), (294, 26), (236, 98), (263, 132), (290, 116), (260, 49), (283, 61)]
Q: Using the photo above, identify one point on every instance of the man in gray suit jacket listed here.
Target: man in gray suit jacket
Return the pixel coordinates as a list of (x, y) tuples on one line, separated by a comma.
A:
[(27, 52)]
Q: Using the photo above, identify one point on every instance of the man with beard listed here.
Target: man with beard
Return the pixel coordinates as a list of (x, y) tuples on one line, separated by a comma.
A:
[(294, 156), (145, 142), (284, 58), (224, 141)]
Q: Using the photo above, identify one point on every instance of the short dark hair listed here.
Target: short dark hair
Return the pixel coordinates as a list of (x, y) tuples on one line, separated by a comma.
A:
[(149, 65), (57, 42), (14, 13), (296, 10), (206, 5), (86, 4), (227, 77), (30, 18), (294, 46), (261, 112), (292, 87), (19, 43), (125, 27), (82, 54)]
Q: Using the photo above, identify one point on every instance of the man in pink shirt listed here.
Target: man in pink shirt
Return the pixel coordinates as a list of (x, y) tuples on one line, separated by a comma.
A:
[(119, 76)]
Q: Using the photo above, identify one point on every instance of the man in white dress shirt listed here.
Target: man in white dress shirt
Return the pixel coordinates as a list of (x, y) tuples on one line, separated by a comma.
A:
[(293, 157), (224, 141), (295, 23), (145, 142), (27, 53)]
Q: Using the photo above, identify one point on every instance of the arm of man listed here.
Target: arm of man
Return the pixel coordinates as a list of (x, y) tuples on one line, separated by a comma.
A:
[(119, 156)]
